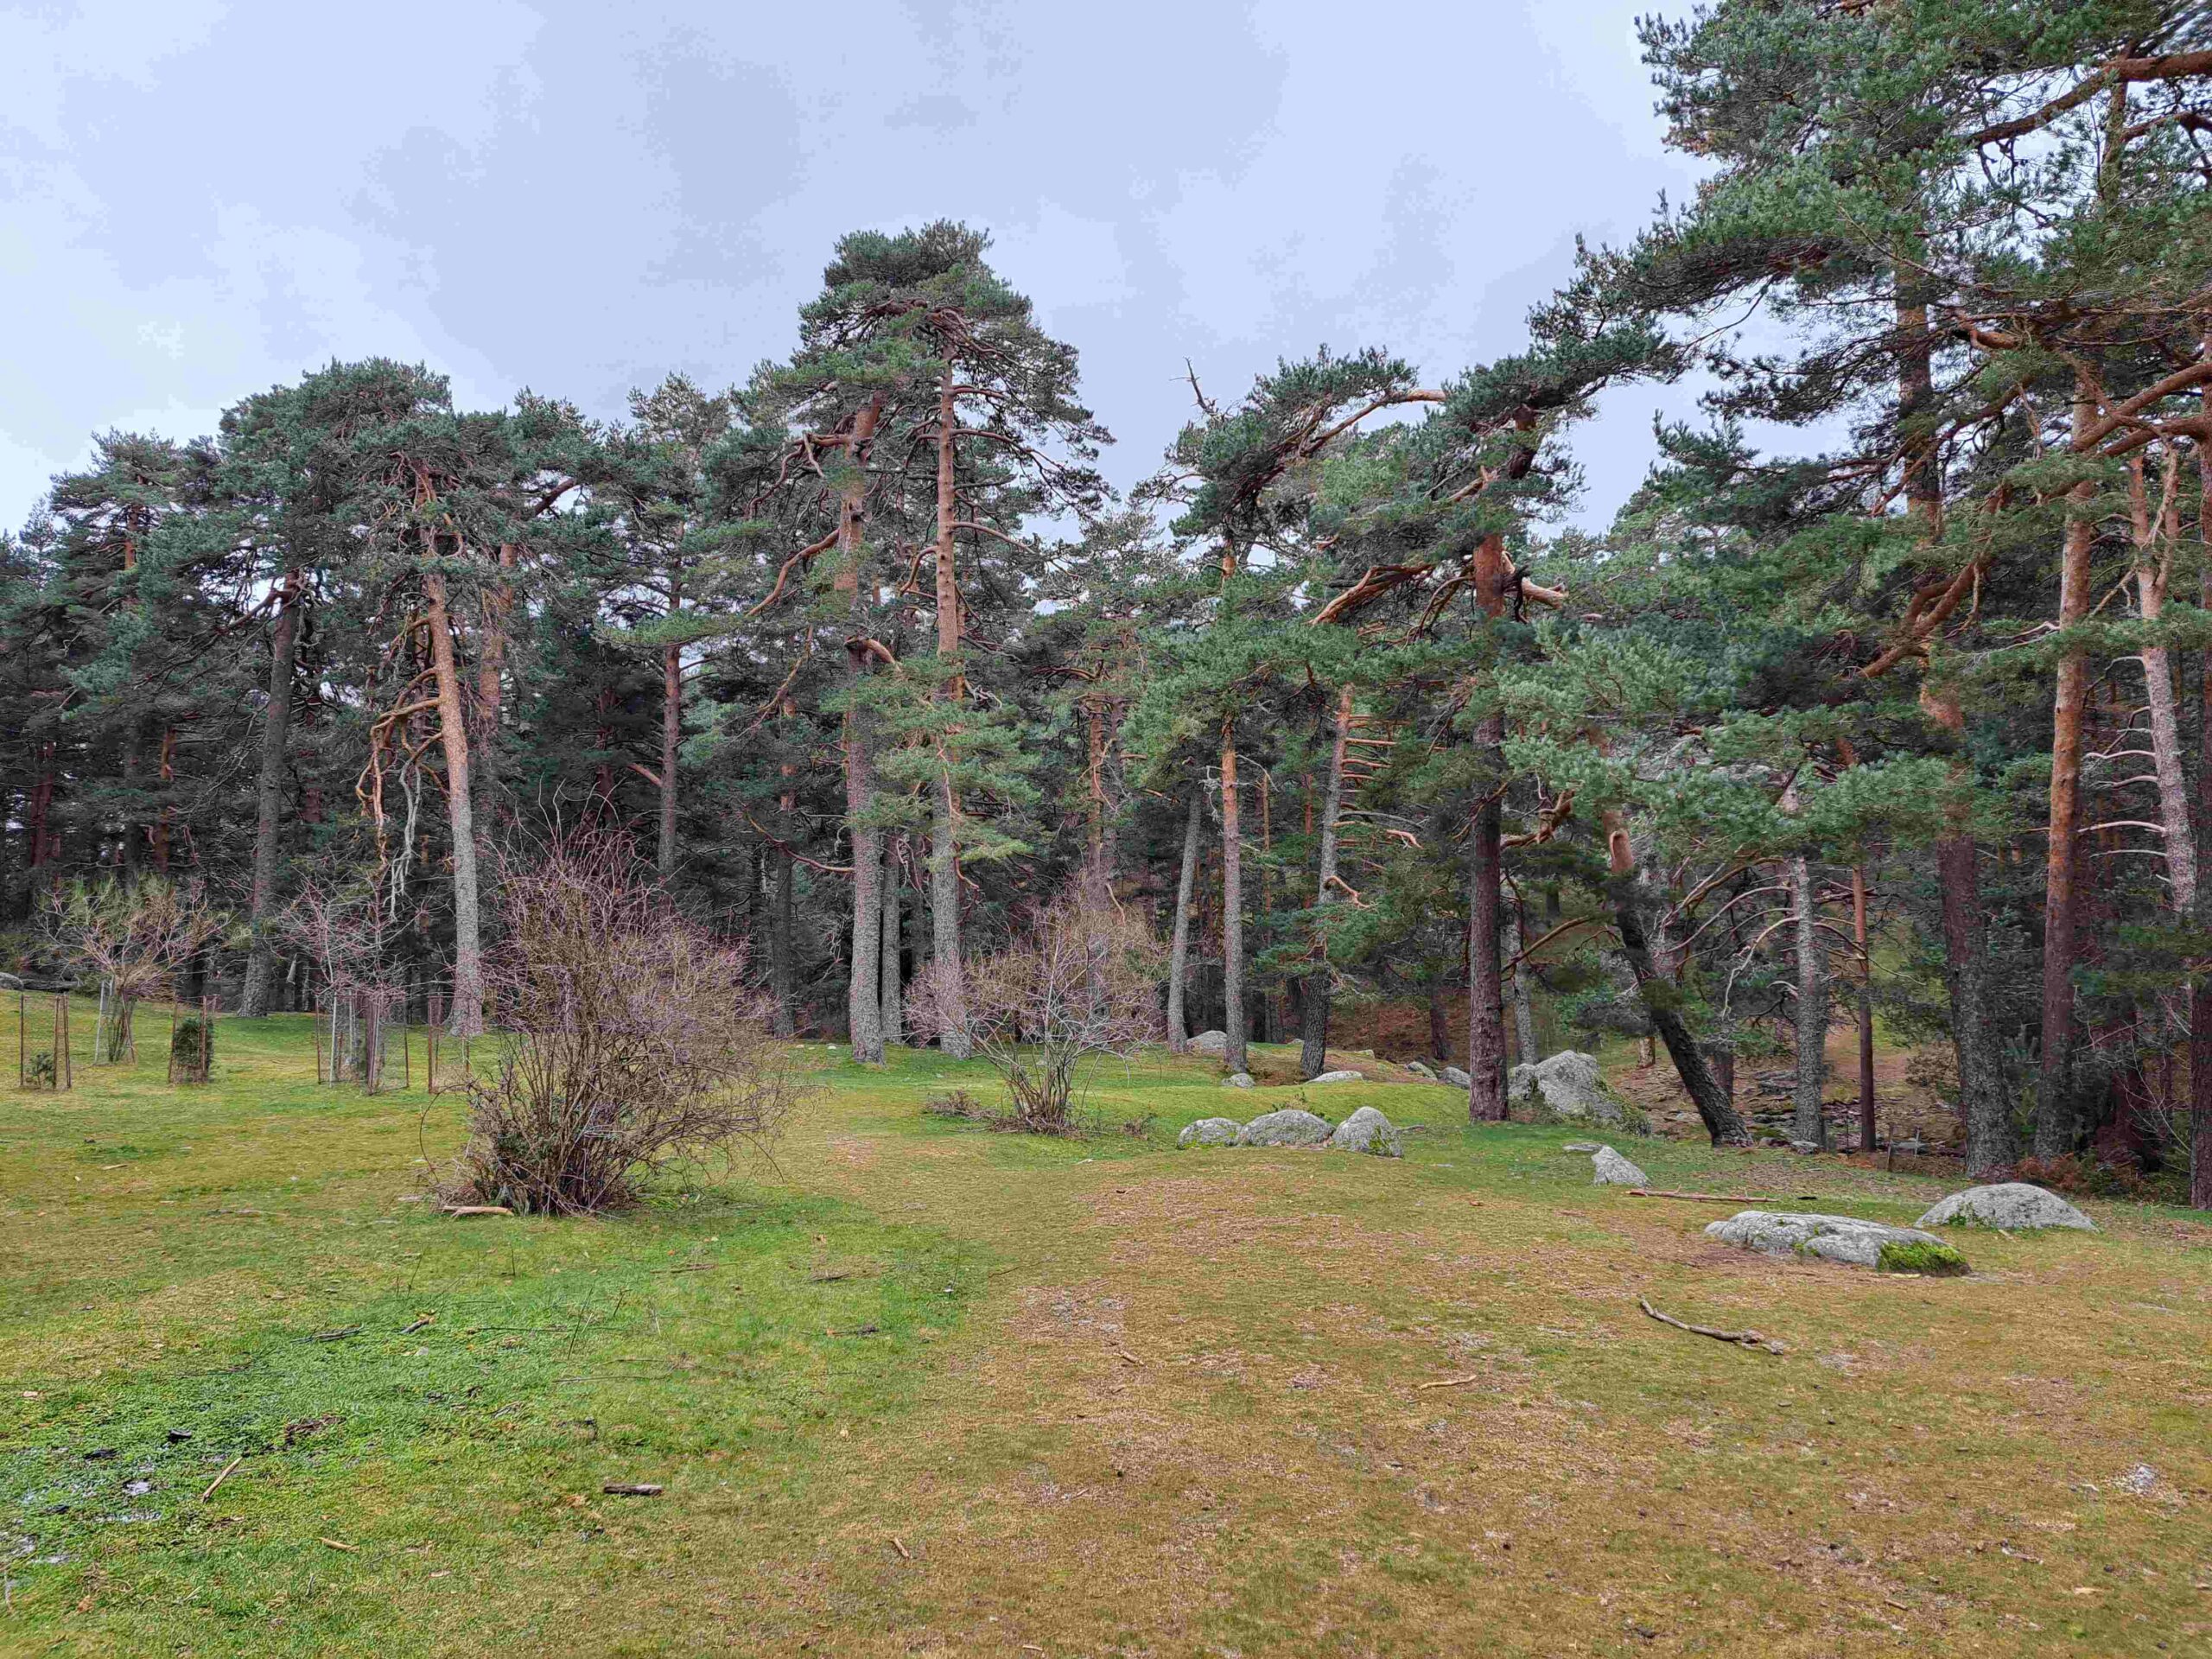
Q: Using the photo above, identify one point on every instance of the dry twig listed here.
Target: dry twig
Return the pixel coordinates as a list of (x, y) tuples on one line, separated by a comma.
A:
[(1740, 1338)]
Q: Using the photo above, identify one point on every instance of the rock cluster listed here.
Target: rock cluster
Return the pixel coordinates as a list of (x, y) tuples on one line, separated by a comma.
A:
[(1366, 1130), (1839, 1238)]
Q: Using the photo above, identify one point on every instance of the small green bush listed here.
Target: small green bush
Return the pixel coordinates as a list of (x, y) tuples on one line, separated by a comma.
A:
[(184, 1049)]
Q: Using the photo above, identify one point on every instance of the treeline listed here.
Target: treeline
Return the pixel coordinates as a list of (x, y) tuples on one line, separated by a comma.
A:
[(1912, 715)]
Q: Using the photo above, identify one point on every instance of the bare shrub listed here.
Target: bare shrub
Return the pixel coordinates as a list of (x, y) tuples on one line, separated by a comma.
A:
[(337, 922), (1078, 980), (132, 938), (630, 1038)]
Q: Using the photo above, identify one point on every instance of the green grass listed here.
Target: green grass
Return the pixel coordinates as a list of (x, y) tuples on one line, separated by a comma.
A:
[(920, 1387)]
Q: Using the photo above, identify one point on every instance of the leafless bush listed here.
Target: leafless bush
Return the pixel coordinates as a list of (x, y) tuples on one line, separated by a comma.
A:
[(1078, 980), (133, 938), (630, 1038), (338, 924)]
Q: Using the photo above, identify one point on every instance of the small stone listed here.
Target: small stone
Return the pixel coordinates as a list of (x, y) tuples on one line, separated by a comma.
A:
[(1582, 1146), (2140, 1480), (1211, 1132), (2016, 1206), (99, 1454), (1613, 1170), (1367, 1130), (1338, 1077), (1421, 1070), (1288, 1128), (1237, 1080), (1457, 1078), (179, 1436), (1839, 1238), (1210, 1042), (1804, 1148)]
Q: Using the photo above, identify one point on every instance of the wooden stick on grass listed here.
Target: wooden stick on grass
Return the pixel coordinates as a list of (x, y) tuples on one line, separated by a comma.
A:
[(1722, 1197), (1740, 1338), (220, 1479)]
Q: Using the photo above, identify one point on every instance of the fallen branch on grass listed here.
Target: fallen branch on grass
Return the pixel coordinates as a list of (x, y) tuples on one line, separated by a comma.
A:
[(631, 1489), (220, 1479), (339, 1335), (1740, 1338), (1453, 1382), (1722, 1197), (478, 1210)]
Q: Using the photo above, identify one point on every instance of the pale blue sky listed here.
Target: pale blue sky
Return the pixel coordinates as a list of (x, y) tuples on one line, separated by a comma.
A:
[(202, 200)]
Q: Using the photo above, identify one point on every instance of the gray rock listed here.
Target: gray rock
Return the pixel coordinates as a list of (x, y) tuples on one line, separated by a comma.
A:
[(1420, 1069), (1839, 1238), (1237, 1080), (1582, 1146), (2014, 1206), (1457, 1078), (1211, 1132), (1568, 1086), (2141, 1480), (1210, 1042), (1338, 1077), (1613, 1170), (1804, 1148), (1288, 1128), (1367, 1130)]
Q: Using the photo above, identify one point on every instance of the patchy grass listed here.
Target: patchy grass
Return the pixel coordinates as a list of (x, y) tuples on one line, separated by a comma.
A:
[(922, 1387)]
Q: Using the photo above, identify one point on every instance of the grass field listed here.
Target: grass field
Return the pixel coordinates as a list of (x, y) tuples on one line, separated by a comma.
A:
[(919, 1388)]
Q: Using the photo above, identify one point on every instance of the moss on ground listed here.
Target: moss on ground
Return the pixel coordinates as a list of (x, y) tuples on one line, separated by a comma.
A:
[(919, 1387), (1936, 1260)]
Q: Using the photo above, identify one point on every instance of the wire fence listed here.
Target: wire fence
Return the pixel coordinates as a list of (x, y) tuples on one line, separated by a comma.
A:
[(377, 1041)]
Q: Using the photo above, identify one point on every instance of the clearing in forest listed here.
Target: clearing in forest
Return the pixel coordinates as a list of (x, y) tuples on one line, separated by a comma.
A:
[(919, 1387)]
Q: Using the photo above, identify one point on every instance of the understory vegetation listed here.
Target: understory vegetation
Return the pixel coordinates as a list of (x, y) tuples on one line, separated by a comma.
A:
[(1883, 700)]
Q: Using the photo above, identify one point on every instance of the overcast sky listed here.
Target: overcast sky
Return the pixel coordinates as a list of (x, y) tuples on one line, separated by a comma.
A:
[(203, 199)]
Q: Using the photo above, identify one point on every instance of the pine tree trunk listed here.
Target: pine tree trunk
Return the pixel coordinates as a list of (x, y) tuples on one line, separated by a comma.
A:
[(1808, 1121), (893, 992), (1178, 952), (1485, 984), (2165, 716), (779, 946), (1866, 1008), (269, 799), (1314, 994), (1233, 1019), (1983, 1102), (2055, 1115), (1494, 582), (671, 734), (467, 1018), (1713, 1105), (1524, 1009), (2199, 988), (949, 967), (863, 1011), (779, 910)]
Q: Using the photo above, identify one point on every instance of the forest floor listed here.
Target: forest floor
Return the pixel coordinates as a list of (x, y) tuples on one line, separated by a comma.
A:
[(921, 1387)]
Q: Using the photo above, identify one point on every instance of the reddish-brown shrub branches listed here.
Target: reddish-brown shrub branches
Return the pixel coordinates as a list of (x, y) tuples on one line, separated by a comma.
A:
[(1078, 980), (630, 1038)]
